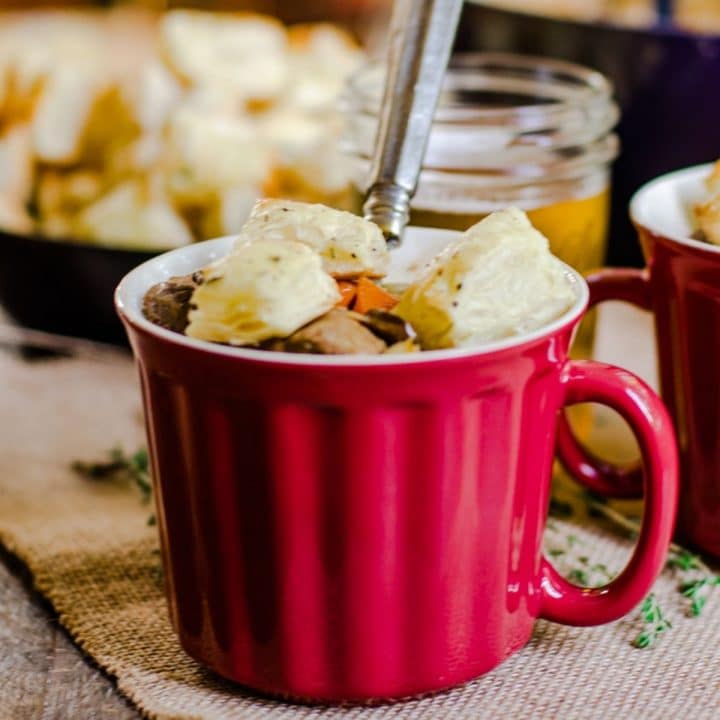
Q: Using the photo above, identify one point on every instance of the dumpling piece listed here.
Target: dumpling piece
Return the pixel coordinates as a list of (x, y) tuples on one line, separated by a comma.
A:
[(207, 154), (13, 216), (496, 281), (243, 52), (17, 164), (132, 216), (349, 245), (69, 97), (322, 57), (260, 291), (712, 181), (707, 215)]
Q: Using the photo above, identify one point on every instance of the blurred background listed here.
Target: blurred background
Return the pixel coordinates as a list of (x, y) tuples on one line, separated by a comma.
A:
[(127, 128)]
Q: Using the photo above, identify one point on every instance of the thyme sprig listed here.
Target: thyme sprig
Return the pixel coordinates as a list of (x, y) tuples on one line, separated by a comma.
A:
[(655, 622), (567, 549), (696, 581), (121, 467)]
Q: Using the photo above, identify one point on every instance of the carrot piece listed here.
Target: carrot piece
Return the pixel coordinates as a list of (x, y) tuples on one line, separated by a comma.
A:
[(348, 290), (372, 297)]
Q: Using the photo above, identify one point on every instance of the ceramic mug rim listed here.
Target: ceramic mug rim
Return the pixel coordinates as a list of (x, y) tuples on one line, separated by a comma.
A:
[(642, 198), (128, 303)]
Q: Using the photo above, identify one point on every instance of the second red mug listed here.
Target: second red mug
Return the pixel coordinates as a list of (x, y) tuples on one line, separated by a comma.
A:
[(680, 285)]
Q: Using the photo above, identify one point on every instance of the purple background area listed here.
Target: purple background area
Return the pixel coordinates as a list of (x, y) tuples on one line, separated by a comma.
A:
[(667, 83)]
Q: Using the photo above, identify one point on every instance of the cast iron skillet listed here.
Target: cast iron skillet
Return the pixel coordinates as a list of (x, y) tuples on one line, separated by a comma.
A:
[(64, 287)]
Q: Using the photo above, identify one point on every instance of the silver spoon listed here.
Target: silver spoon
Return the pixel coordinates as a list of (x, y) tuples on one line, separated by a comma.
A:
[(421, 38)]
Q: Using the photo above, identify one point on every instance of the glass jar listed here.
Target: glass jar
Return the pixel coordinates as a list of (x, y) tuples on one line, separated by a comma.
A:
[(509, 130)]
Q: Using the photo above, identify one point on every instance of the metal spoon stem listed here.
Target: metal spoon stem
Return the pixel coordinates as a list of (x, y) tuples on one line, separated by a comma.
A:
[(421, 39)]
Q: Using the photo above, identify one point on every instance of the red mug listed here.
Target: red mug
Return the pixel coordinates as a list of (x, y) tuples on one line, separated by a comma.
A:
[(353, 529), (680, 285)]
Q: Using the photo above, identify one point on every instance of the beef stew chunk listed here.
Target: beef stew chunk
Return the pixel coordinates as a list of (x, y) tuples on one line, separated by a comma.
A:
[(335, 333), (168, 303), (388, 327)]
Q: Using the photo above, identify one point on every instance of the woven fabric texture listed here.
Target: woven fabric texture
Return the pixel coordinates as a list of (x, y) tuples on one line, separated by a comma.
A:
[(94, 556)]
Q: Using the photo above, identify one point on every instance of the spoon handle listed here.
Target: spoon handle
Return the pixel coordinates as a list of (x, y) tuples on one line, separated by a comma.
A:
[(421, 39)]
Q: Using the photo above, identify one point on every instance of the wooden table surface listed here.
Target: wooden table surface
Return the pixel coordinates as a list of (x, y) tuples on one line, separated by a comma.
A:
[(44, 676)]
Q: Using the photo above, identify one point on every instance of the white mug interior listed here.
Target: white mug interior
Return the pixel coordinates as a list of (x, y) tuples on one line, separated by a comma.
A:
[(664, 206), (419, 247)]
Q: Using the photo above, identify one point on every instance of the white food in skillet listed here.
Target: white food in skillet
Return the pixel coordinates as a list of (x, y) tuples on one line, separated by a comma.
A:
[(244, 52)]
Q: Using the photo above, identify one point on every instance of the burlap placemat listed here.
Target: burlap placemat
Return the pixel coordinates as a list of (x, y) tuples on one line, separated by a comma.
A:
[(93, 555)]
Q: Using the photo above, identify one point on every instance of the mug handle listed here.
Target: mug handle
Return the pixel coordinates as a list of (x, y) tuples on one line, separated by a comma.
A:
[(619, 481), (563, 602)]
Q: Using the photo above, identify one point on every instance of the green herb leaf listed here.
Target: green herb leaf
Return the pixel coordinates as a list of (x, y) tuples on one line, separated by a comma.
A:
[(697, 605), (696, 580), (643, 640), (684, 560), (579, 576), (120, 467), (655, 622)]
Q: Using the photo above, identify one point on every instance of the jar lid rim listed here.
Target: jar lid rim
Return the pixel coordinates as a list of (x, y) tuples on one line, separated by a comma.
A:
[(590, 85)]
